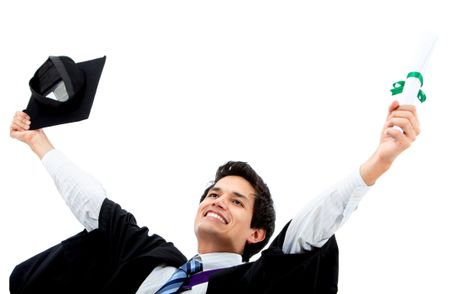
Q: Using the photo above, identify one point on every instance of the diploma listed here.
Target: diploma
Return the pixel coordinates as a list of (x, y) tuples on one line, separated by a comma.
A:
[(410, 89)]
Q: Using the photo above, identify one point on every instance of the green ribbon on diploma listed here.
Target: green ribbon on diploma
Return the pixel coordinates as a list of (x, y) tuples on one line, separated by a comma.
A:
[(398, 86)]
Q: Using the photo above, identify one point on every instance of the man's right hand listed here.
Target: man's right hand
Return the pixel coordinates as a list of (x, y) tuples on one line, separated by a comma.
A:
[(36, 139)]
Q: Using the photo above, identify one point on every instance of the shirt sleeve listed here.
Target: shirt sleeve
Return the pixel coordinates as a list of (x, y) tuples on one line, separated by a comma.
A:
[(82, 192), (314, 225)]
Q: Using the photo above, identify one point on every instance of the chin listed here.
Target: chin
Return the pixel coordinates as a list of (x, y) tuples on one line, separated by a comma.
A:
[(207, 228)]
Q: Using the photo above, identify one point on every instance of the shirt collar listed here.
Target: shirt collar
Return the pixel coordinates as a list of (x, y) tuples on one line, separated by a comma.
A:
[(220, 260)]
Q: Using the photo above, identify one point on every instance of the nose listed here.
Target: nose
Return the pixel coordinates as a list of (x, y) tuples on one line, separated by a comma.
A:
[(220, 202)]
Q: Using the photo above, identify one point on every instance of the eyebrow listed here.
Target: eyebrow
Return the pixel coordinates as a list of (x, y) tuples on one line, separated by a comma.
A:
[(240, 195)]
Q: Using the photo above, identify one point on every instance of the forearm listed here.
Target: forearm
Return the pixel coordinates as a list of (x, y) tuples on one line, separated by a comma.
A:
[(320, 220), (83, 193)]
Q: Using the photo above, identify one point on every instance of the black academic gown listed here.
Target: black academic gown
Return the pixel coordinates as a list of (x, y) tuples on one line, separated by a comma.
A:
[(119, 255)]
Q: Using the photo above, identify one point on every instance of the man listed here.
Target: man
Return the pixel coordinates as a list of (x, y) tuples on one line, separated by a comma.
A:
[(234, 221)]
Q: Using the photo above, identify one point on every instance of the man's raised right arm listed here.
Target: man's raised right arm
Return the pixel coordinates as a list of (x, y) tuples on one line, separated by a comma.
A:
[(82, 192)]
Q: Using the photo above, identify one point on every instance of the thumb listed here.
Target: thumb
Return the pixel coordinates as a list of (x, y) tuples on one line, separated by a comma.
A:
[(19, 135)]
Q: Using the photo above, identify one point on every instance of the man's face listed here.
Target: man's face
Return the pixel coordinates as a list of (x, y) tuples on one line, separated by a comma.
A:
[(223, 218)]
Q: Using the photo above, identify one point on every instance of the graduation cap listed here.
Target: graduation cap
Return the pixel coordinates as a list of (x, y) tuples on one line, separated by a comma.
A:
[(63, 91)]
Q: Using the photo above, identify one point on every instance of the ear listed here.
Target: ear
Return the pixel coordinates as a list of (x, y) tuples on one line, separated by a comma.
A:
[(257, 236)]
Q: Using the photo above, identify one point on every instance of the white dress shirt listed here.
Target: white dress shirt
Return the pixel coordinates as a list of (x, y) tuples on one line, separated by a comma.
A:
[(311, 227), (210, 261)]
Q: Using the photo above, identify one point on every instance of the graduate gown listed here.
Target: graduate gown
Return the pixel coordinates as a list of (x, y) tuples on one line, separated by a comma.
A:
[(119, 255)]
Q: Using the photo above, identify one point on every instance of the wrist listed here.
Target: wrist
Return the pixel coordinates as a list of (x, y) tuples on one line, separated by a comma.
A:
[(373, 168), (40, 144)]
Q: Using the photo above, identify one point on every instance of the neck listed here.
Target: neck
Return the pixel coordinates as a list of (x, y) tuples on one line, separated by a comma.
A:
[(212, 246)]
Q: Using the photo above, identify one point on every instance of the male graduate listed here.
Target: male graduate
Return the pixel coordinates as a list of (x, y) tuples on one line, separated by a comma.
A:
[(235, 219)]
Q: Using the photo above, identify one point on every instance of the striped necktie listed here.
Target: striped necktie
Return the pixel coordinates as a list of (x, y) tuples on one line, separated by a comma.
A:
[(181, 274)]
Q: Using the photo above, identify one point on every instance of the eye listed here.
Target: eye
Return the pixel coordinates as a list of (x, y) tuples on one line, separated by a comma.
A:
[(238, 202), (213, 195)]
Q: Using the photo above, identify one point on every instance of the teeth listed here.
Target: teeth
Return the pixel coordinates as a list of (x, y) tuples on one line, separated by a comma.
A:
[(215, 215)]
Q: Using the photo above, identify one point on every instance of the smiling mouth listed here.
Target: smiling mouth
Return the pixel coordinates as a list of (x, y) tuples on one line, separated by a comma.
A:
[(216, 216)]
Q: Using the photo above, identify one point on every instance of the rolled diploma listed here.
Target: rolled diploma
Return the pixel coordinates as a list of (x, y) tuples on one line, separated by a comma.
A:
[(419, 63)]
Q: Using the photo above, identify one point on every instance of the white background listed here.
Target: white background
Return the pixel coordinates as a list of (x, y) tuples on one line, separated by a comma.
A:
[(300, 91)]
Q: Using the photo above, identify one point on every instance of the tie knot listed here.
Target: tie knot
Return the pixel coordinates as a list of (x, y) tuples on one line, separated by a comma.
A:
[(192, 266)]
